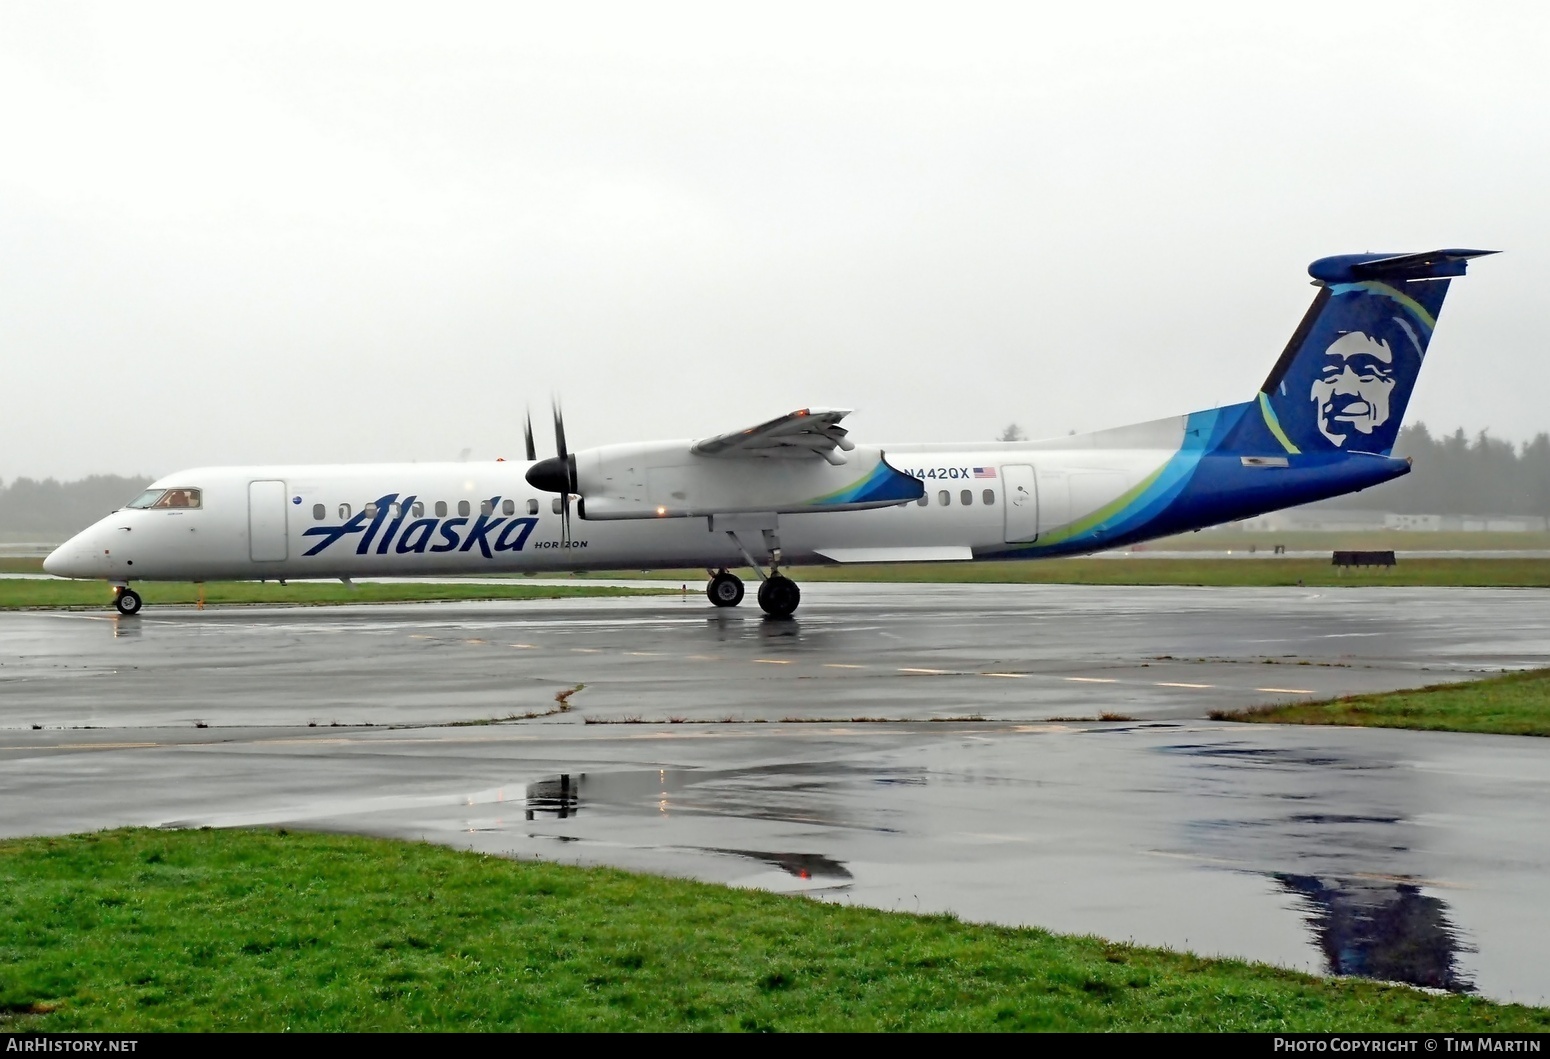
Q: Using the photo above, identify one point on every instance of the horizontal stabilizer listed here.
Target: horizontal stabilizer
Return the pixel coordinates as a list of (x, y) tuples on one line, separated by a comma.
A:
[(1435, 264)]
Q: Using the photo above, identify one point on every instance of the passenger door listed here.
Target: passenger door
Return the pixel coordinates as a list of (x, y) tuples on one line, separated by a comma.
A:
[(1022, 503), (266, 522)]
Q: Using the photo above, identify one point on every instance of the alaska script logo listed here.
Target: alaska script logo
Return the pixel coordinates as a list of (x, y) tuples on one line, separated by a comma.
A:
[(418, 535)]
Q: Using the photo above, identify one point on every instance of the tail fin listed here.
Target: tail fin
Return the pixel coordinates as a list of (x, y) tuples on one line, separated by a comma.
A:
[(1346, 376)]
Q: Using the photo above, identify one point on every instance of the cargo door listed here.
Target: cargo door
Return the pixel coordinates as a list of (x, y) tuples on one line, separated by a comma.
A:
[(266, 521), (1022, 503)]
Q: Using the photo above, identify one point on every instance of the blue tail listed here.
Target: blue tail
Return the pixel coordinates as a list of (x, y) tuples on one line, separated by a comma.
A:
[(1346, 376)]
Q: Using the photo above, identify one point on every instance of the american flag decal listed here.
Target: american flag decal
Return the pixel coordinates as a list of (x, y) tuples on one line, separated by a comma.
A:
[(984, 472)]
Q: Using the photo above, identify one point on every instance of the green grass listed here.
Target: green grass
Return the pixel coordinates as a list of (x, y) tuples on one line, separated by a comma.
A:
[(45, 593), (1241, 573), (1514, 704), (255, 930)]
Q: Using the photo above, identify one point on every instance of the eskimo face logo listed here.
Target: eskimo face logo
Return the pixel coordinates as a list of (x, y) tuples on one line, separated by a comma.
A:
[(1353, 386)]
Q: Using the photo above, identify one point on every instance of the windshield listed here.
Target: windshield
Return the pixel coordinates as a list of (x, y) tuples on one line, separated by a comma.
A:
[(162, 498)]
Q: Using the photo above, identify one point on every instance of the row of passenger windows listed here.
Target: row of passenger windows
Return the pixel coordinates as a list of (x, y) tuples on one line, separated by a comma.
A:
[(440, 508), (944, 498)]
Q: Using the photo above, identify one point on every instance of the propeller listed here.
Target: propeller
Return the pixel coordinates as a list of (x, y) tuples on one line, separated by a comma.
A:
[(557, 474), (527, 436)]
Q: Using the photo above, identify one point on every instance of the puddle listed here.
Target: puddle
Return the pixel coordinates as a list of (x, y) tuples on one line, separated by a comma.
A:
[(1385, 930)]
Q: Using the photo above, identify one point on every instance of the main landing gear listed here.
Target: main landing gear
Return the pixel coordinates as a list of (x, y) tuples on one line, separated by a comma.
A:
[(725, 590), (126, 600), (778, 594)]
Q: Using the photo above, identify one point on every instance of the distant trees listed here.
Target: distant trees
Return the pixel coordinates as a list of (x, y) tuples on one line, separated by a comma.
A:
[(54, 510), (1013, 432), (1455, 474)]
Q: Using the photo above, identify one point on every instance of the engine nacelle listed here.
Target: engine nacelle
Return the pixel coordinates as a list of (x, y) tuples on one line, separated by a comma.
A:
[(667, 480)]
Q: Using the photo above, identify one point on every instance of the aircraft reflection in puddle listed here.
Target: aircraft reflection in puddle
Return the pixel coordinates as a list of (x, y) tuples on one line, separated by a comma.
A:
[(1372, 928)]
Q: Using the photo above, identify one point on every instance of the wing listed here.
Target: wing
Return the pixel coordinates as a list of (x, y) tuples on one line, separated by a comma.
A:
[(806, 432)]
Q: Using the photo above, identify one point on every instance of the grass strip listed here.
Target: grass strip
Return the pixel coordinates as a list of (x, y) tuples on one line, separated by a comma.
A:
[(141, 930), (1513, 704), (96, 594)]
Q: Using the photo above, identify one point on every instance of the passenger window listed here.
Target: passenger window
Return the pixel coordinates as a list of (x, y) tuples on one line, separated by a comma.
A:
[(486, 508), (989, 497), (441, 509), (966, 498), (532, 507), (417, 510), (924, 501), (397, 510), (344, 511), (462, 507), (508, 507), (371, 510), (178, 498), (944, 498), (555, 505), (318, 512)]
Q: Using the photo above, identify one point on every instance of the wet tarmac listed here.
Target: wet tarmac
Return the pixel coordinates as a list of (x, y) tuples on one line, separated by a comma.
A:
[(723, 746)]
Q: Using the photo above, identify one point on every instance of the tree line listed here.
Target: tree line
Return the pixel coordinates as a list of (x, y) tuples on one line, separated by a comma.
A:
[(54, 510), (1455, 474)]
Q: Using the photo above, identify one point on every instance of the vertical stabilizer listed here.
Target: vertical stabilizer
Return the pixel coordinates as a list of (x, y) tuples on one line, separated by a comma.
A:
[(1344, 380)]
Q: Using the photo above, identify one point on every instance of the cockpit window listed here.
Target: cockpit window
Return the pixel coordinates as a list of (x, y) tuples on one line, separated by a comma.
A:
[(166, 498), (178, 498)]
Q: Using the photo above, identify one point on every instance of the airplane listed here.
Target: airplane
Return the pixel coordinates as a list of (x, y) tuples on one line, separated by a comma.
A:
[(797, 490)]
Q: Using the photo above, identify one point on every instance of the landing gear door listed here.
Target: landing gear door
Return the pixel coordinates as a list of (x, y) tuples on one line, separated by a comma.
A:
[(1022, 503), (266, 521)]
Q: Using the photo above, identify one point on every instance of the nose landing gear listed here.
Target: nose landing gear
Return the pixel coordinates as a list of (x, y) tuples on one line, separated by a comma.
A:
[(126, 600)]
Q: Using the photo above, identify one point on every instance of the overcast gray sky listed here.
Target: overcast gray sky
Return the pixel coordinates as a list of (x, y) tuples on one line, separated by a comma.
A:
[(240, 233)]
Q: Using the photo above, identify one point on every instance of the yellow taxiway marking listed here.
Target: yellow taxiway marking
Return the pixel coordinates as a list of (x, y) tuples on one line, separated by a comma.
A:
[(643, 654), (1170, 684), (929, 672), (418, 636), (1018, 676), (774, 661), (587, 650), (702, 658), (1092, 680), (476, 641), (842, 665), (1288, 691)]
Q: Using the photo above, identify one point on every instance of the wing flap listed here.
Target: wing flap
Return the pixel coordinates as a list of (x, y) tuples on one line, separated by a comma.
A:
[(805, 433)]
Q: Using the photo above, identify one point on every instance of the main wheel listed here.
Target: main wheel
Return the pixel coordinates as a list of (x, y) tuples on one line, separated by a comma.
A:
[(128, 601), (725, 590), (779, 596)]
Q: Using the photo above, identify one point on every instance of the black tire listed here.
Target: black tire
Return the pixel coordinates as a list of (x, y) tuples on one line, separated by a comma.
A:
[(725, 590), (779, 596), (128, 602)]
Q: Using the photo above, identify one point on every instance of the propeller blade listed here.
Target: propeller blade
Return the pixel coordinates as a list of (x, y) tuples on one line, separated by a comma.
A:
[(559, 431), (527, 436)]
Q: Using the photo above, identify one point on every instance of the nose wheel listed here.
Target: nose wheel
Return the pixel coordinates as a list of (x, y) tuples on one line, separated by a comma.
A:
[(127, 601), (725, 590)]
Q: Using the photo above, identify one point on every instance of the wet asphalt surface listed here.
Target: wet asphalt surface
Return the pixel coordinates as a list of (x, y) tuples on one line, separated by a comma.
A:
[(908, 747)]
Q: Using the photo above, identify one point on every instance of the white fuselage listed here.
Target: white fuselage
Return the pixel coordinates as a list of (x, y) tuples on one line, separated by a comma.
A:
[(282, 522)]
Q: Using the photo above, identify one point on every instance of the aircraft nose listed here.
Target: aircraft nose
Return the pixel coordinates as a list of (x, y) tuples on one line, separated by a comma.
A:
[(70, 559)]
